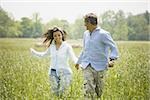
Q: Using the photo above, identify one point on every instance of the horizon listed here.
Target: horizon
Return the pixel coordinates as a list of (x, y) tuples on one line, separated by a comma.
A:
[(70, 10)]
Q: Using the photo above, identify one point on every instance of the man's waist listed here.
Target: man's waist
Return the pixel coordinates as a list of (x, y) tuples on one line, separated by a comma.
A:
[(97, 67), (96, 61)]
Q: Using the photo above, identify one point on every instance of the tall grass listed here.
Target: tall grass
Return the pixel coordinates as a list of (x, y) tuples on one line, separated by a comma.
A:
[(25, 77)]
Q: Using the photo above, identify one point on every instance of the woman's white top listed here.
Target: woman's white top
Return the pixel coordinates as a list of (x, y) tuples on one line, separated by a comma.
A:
[(59, 58)]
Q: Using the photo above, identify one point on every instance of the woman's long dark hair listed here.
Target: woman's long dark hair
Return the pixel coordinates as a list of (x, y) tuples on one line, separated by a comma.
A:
[(49, 35)]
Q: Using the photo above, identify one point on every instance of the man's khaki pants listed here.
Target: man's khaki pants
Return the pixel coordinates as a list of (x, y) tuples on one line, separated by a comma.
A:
[(93, 82)]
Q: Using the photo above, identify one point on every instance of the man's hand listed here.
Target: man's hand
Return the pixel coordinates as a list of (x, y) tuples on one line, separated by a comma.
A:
[(111, 63), (77, 66)]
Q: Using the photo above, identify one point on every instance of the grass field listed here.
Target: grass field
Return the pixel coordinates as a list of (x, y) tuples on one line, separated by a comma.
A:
[(23, 77)]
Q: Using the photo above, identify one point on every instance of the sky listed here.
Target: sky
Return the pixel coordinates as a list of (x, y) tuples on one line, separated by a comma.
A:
[(70, 9)]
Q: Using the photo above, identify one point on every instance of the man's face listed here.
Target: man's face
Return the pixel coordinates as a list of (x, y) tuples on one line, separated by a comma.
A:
[(87, 25)]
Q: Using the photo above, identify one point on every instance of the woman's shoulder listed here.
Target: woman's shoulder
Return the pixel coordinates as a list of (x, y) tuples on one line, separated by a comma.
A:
[(51, 46), (66, 44)]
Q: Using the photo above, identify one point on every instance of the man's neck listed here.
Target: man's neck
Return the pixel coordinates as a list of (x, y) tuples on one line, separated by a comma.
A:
[(92, 29)]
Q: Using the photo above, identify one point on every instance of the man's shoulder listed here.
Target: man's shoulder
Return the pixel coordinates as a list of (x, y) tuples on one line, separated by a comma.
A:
[(102, 31), (85, 32)]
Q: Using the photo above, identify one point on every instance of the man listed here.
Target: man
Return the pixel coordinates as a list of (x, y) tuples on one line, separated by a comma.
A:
[(99, 52)]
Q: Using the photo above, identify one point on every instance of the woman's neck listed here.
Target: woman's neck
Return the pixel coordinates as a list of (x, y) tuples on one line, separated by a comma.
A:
[(58, 44)]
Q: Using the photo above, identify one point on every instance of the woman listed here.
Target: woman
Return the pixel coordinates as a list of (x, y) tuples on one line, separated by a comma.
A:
[(60, 52)]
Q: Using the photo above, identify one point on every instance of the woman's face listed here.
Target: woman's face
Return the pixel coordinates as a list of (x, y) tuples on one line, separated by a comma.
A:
[(57, 37)]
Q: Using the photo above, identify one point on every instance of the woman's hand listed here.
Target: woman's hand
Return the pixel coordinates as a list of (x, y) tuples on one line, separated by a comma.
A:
[(77, 66), (31, 50)]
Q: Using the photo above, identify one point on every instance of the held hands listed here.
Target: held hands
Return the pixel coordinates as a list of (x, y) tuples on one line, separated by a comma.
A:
[(111, 63), (77, 66)]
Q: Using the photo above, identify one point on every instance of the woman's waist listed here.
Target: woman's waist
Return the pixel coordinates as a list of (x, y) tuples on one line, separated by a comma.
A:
[(59, 69), (60, 72)]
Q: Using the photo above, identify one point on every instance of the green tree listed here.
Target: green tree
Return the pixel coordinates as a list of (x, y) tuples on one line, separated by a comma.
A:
[(26, 27), (77, 29), (116, 24), (37, 25), (14, 30), (5, 23), (121, 27), (63, 24), (108, 21), (54, 22), (138, 27)]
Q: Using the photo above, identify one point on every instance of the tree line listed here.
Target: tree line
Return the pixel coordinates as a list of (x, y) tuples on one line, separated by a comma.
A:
[(120, 25)]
